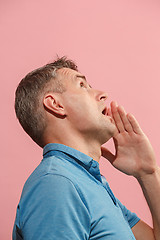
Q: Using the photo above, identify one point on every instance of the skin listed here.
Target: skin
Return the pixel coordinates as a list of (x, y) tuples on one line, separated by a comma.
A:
[(78, 112), (85, 134)]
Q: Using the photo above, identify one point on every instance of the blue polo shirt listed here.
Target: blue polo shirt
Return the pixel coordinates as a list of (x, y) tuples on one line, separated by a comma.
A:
[(66, 198)]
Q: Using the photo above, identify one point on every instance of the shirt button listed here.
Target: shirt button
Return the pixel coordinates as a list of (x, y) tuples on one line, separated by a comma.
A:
[(94, 164)]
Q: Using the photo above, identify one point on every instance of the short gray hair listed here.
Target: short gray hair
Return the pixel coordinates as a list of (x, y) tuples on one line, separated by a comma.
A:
[(29, 96)]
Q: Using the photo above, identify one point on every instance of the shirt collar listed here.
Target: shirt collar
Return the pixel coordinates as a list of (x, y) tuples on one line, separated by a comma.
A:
[(85, 159), (91, 165)]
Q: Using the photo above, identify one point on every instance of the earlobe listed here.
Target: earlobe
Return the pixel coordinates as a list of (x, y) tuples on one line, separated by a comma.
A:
[(53, 105)]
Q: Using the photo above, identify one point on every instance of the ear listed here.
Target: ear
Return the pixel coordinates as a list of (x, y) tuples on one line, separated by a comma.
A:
[(53, 104)]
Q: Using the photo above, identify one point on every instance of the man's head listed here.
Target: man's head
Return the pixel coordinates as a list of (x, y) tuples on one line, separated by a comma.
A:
[(30, 93), (55, 99)]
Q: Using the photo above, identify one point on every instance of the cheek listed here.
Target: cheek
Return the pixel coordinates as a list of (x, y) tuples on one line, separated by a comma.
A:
[(81, 108), (80, 114), (76, 105)]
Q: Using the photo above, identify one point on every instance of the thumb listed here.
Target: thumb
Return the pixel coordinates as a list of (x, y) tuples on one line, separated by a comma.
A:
[(107, 154)]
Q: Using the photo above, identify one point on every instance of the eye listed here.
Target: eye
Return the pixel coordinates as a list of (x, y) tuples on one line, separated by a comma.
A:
[(82, 84)]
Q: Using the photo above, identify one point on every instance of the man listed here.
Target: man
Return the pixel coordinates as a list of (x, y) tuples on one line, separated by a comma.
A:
[(66, 197)]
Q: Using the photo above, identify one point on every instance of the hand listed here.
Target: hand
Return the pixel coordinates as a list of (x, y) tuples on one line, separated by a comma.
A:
[(134, 154)]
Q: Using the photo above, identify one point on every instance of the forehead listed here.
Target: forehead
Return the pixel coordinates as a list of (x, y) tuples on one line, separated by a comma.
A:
[(67, 73)]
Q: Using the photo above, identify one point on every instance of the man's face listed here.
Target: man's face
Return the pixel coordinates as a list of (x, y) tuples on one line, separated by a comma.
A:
[(84, 106)]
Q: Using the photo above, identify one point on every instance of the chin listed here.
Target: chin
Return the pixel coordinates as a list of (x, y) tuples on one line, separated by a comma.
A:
[(109, 134), (113, 130)]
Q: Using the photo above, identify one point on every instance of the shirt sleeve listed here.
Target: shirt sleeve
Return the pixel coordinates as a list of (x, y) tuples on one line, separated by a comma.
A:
[(130, 217), (55, 210)]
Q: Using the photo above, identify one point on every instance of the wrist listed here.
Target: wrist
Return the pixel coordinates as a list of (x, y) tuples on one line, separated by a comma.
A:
[(148, 176)]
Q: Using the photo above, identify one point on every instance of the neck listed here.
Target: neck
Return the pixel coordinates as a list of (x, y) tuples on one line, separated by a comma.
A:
[(89, 147)]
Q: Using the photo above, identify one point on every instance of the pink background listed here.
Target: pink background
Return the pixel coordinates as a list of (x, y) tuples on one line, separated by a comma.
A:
[(116, 44)]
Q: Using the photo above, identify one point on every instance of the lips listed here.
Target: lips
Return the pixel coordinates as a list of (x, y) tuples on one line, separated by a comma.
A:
[(105, 113)]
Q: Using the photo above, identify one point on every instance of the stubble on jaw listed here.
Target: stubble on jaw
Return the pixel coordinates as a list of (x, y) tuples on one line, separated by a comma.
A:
[(110, 132)]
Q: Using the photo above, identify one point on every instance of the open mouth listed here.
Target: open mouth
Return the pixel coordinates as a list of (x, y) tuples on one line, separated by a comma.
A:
[(104, 112)]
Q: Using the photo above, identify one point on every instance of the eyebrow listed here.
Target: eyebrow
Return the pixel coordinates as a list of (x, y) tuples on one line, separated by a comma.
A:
[(83, 77)]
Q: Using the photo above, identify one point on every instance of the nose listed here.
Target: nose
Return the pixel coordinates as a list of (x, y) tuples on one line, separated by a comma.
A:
[(102, 96)]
